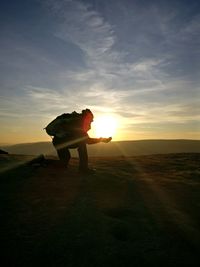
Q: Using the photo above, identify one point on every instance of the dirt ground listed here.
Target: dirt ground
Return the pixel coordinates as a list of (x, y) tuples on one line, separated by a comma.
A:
[(134, 211)]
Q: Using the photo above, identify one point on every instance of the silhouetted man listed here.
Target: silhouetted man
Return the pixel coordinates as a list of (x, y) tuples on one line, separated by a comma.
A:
[(75, 136)]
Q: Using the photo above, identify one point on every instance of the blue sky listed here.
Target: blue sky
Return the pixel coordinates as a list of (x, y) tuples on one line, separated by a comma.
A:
[(136, 60)]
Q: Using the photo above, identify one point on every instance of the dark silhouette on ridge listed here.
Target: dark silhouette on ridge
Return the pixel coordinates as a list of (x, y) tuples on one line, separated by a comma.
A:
[(69, 131), (2, 152)]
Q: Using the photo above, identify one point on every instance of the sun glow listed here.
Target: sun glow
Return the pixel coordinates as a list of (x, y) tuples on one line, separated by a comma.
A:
[(104, 126)]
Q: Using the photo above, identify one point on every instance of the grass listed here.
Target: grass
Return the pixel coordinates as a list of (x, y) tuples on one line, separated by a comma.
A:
[(136, 211)]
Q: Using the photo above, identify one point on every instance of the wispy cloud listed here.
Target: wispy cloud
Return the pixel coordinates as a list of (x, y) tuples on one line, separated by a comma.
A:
[(85, 28), (105, 64)]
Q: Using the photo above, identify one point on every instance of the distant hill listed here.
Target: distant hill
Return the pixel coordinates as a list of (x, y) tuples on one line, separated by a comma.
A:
[(120, 148)]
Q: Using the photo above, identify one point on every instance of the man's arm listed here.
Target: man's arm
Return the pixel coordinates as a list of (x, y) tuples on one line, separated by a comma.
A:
[(92, 141)]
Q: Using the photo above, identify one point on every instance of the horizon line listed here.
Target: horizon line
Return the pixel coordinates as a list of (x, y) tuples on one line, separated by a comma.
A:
[(130, 140)]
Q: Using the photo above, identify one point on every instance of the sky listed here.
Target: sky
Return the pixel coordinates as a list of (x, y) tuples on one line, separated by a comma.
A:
[(134, 60)]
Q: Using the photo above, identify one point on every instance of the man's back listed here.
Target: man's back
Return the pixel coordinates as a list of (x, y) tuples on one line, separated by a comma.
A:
[(65, 124)]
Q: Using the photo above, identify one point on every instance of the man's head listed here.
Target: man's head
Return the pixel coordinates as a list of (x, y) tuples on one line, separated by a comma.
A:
[(87, 119)]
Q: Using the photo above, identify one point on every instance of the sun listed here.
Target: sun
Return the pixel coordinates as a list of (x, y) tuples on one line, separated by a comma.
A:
[(104, 126)]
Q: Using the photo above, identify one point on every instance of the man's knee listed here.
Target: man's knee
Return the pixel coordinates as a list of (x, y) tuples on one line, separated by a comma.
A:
[(63, 154)]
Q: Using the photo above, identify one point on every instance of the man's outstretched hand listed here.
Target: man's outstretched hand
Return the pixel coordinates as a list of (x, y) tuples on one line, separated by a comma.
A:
[(106, 140)]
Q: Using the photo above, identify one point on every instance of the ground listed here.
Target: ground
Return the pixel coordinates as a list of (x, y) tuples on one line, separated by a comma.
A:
[(134, 211)]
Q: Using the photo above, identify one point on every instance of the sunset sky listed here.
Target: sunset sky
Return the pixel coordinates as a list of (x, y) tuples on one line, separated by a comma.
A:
[(133, 60)]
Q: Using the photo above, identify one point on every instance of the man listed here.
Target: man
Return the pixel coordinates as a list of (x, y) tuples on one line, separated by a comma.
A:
[(75, 136)]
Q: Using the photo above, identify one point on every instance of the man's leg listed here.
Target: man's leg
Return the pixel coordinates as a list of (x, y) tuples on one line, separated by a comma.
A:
[(62, 151), (64, 155), (83, 157)]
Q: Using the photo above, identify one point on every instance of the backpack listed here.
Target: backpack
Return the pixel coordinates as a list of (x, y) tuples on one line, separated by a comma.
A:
[(62, 124)]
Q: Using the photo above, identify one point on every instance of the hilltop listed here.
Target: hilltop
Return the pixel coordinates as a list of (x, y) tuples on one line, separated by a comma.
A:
[(135, 211)]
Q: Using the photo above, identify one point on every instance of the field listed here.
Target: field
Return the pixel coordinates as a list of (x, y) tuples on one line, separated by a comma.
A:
[(134, 211)]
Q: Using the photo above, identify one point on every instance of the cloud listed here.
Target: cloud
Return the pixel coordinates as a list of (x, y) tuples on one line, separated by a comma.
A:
[(187, 32), (107, 64), (89, 30), (47, 101), (85, 28)]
